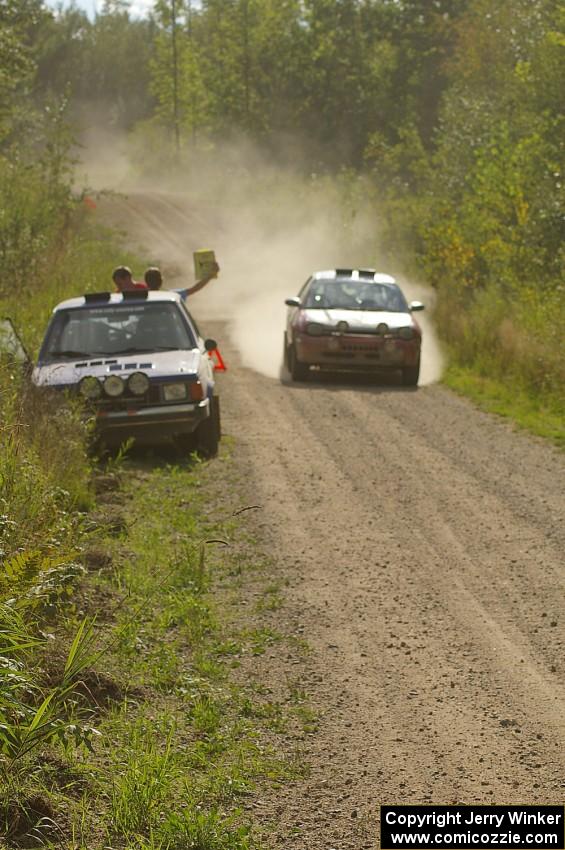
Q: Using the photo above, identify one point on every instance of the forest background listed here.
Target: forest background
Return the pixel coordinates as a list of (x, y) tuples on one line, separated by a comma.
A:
[(450, 112)]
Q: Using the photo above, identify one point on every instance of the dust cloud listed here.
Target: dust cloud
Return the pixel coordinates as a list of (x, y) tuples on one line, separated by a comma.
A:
[(102, 159), (270, 227)]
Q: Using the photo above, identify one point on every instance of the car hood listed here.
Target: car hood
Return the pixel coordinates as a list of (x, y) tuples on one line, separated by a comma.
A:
[(360, 320), (159, 364)]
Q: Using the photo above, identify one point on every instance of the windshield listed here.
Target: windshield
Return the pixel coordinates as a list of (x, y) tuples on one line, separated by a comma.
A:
[(350, 294), (110, 331)]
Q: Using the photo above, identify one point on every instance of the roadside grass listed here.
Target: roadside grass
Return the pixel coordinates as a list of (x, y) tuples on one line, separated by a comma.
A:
[(544, 417), (505, 352), (44, 465), (179, 747), (85, 255), (46, 491)]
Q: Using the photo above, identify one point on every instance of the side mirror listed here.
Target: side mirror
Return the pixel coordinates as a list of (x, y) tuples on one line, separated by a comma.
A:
[(210, 344), (292, 302), (415, 306)]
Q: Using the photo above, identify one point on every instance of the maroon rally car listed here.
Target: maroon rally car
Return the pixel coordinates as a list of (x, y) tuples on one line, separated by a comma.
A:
[(352, 320)]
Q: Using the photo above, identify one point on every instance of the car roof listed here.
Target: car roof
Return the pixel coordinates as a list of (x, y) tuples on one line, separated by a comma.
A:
[(354, 274), (101, 299)]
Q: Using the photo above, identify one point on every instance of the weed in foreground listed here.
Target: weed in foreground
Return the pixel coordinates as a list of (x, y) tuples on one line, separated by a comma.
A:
[(142, 785)]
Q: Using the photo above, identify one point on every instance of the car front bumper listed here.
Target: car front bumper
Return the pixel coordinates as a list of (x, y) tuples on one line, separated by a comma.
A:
[(362, 352), (149, 424)]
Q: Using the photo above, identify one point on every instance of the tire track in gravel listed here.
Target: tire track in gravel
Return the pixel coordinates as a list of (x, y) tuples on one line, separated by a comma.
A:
[(420, 580)]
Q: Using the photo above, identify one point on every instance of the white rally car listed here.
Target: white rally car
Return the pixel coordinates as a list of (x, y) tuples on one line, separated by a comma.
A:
[(352, 320), (139, 360)]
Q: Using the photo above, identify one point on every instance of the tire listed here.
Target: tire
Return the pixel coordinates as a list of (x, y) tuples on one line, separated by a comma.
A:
[(410, 375), (208, 433), (216, 415), (185, 443), (298, 371), (286, 357)]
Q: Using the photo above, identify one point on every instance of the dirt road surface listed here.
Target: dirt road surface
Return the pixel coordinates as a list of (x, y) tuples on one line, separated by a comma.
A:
[(422, 543)]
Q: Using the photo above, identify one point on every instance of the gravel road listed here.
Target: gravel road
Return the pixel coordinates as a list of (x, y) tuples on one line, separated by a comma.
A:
[(422, 543)]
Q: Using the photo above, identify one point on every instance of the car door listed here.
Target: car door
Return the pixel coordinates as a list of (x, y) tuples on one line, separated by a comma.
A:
[(206, 369), (12, 348)]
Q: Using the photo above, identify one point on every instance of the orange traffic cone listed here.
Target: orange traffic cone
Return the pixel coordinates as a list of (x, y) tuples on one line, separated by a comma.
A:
[(217, 360)]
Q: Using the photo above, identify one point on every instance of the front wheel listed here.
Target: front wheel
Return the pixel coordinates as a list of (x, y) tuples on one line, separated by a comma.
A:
[(410, 375), (215, 413), (185, 443), (209, 431), (286, 355), (298, 371)]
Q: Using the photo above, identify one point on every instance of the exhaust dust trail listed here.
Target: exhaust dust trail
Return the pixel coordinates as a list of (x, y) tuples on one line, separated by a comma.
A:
[(270, 229)]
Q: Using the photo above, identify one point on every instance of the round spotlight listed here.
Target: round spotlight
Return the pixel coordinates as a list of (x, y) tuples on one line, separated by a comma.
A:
[(342, 327), (138, 383), (382, 328), (114, 386), (90, 387), (315, 329)]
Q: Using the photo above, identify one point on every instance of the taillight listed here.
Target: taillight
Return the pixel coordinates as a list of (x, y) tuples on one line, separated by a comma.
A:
[(196, 391)]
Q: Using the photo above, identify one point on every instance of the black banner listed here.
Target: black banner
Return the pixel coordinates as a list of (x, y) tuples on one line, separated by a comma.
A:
[(477, 827)]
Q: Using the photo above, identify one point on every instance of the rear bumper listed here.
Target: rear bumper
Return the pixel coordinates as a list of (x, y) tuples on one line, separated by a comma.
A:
[(362, 353), (151, 423)]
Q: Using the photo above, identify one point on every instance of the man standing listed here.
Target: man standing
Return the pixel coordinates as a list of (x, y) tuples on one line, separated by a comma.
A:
[(154, 280)]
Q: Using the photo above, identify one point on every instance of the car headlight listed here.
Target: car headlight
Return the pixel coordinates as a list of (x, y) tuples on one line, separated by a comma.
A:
[(406, 333), (90, 387), (138, 383), (315, 329), (174, 392), (114, 386)]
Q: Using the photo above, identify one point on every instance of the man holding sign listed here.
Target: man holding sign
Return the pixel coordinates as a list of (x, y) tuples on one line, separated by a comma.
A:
[(206, 269)]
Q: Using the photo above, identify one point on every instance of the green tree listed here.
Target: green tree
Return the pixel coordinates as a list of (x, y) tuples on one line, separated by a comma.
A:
[(19, 22), (102, 65), (177, 80), (498, 172)]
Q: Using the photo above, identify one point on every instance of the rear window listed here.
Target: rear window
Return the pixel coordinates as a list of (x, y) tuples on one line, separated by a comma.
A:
[(111, 331), (350, 294)]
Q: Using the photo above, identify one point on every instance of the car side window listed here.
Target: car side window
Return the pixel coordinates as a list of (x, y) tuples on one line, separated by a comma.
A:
[(304, 288), (188, 317)]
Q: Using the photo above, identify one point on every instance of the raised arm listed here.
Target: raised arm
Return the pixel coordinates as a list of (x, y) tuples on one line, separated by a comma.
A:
[(200, 284)]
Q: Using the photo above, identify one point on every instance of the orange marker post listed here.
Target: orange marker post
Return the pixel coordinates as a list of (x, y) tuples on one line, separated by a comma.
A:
[(217, 360)]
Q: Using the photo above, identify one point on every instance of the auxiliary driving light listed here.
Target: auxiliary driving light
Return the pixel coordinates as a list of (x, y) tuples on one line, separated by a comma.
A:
[(138, 383), (90, 387), (114, 386), (382, 328), (342, 327), (315, 329)]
